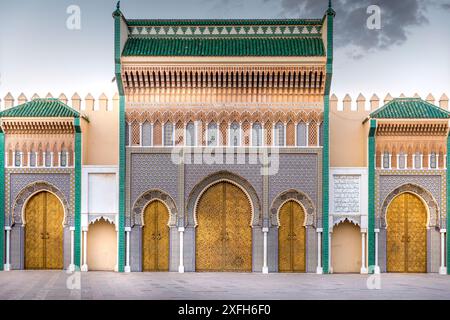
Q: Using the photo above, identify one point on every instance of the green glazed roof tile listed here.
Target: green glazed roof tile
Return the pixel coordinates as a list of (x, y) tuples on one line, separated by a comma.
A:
[(221, 22), (46, 108), (410, 108), (277, 46)]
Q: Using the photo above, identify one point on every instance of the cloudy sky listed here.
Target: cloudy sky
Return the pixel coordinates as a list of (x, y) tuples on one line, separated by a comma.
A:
[(410, 53)]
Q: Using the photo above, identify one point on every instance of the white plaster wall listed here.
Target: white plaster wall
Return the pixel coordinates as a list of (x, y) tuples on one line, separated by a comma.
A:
[(100, 193)]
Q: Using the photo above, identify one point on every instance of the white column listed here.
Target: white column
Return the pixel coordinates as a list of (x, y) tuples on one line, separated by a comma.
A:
[(6, 159), (59, 159), (377, 267), (265, 268), (29, 159), (443, 268), (181, 266), (72, 249), (319, 269), (363, 252), (84, 267), (330, 258), (127, 256), (7, 265), (43, 159)]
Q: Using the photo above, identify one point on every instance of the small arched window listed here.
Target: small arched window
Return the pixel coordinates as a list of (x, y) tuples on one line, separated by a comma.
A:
[(386, 160), (301, 134), (417, 160), (168, 134), (32, 157), (48, 157), (212, 134), (235, 135), (63, 157), (256, 134), (190, 134), (17, 158), (433, 160), (146, 134), (402, 160), (279, 135)]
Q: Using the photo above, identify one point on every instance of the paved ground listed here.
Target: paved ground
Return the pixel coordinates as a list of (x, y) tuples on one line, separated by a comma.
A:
[(108, 285)]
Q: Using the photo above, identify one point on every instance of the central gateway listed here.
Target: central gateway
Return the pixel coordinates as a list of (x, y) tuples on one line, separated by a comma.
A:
[(224, 235)]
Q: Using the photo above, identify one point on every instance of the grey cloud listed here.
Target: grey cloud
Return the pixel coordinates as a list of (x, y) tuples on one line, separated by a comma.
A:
[(397, 18)]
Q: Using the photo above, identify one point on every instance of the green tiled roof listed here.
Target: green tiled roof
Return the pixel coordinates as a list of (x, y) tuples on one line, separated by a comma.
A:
[(46, 108), (221, 22), (279, 46), (410, 108)]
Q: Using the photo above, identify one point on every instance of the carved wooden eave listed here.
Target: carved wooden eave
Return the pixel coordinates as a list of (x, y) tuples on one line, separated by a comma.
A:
[(37, 125), (413, 128), (307, 78)]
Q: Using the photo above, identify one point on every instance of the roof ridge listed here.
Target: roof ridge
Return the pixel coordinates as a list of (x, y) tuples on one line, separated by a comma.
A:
[(72, 112), (438, 111)]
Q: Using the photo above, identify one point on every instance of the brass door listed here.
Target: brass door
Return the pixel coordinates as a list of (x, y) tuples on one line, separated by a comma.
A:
[(406, 235), (155, 238), (44, 216), (223, 235), (291, 238)]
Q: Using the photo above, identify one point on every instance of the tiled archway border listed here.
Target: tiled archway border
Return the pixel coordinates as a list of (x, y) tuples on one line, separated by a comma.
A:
[(297, 196), (26, 193), (149, 196)]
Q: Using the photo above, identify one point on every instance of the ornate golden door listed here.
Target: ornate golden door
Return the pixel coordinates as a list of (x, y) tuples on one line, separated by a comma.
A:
[(44, 216), (223, 235), (291, 238), (155, 238), (406, 235)]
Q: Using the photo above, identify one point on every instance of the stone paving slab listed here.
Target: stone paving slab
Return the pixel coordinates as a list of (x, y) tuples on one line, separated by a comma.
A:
[(40, 285)]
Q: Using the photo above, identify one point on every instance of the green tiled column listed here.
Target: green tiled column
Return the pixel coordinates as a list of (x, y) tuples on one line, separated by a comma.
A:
[(326, 145), (2, 197), (371, 195), (77, 235), (448, 203), (122, 165)]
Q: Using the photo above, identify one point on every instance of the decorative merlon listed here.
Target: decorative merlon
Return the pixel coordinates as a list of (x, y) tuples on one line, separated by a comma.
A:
[(346, 104), (88, 104)]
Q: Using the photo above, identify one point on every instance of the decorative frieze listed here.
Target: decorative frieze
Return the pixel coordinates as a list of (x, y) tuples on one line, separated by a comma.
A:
[(227, 31), (347, 194)]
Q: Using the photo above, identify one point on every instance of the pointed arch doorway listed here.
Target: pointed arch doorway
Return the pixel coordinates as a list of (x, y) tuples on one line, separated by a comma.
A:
[(291, 238), (407, 234), (155, 238), (44, 217), (224, 234)]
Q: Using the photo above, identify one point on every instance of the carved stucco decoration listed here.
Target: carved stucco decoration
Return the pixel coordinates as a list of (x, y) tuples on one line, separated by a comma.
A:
[(110, 218), (298, 197), (221, 115), (425, 196), (143, 200), (223, 176), (338, 219), (26, 193)]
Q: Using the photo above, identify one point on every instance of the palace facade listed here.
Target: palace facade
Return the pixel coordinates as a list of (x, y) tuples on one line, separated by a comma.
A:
[(224, 150)]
